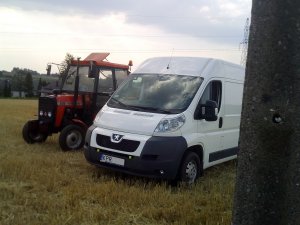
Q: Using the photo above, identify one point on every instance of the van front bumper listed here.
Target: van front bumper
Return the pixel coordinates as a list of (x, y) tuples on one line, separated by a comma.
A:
[(160, 158)]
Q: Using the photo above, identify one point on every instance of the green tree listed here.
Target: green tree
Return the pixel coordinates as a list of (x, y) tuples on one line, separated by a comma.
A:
[(17, 83), (44, 83), (28, 85), (268, 174), (65, 64), (7, 89), (64, 67), (39, 87)]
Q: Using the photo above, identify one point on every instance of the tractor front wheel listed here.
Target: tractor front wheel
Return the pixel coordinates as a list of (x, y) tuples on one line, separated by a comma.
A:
[(71, 137), (31, 135)]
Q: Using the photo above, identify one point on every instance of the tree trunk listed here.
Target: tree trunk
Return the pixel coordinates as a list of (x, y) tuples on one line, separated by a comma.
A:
[(268, 174)]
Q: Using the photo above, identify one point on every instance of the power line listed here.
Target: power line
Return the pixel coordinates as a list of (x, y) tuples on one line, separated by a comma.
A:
[(121, 51), (120, 35)]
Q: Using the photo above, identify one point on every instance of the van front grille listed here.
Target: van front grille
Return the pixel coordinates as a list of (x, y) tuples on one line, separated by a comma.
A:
[(124, 145)]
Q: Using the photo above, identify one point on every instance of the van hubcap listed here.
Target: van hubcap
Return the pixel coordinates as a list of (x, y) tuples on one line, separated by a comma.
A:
[(191, 171)]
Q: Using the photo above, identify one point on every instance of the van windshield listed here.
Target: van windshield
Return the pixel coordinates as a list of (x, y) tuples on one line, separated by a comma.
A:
[(168, 94)]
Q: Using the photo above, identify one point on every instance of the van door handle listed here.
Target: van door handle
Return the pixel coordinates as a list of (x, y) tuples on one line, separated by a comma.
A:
[(220, 122)]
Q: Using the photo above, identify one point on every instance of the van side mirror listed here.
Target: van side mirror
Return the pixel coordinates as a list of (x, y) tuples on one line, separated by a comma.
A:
[(93, 70), (209, 111)]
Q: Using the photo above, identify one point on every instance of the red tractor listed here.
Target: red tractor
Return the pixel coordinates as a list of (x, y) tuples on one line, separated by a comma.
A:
[(70, 110)]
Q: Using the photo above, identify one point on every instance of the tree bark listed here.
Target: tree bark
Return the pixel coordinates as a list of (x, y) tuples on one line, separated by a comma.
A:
[(268, 175)]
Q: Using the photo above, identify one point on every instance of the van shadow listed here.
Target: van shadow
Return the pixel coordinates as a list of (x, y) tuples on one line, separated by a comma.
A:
[(221, 171)]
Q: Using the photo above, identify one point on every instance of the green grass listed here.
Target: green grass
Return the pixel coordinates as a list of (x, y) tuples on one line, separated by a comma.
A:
[(40, 184)]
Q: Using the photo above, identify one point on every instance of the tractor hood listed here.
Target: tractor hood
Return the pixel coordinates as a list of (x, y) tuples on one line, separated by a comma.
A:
[(129, 121)]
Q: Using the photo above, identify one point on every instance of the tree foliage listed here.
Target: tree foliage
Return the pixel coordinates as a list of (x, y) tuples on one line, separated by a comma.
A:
[(22, 81), (39, 87), (7, 89), (28, 85), (17, 70), (18, 84), (65, 64)]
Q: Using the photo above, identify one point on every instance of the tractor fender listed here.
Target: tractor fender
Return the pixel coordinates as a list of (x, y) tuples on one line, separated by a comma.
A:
[(80, 123)]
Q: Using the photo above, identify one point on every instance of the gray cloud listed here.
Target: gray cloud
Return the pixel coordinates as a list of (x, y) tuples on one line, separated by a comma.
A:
[(205, 19)]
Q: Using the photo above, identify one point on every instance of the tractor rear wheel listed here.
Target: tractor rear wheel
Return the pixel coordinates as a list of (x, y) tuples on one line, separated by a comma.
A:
[(32, 136), (71, 137)]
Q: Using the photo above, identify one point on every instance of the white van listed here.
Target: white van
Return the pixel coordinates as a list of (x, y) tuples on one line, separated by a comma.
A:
[(171, 119)]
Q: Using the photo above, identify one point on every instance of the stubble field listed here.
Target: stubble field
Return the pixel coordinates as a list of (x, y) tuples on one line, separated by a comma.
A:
[(40, 184)]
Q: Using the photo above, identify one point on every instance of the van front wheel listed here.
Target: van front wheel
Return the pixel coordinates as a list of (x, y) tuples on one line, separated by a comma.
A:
[(191, 168)]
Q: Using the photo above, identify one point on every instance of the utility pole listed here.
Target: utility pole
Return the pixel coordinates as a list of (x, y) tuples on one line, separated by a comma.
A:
[(268, 173)]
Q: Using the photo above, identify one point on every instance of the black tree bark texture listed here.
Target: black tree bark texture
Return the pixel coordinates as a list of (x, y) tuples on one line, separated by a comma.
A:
[(267, 188)]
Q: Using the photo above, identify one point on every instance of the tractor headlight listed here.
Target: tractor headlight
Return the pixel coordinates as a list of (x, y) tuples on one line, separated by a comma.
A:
[(170, 124), (49, 114), (41, 113)]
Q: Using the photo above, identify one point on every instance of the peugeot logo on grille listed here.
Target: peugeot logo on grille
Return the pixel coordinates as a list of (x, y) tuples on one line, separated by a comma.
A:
[(116, 138)]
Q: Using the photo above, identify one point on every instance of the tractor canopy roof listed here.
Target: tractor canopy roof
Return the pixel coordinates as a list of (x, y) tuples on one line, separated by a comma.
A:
[(98, 59)]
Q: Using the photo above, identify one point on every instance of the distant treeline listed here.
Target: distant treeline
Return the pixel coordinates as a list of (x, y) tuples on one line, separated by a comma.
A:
[(24, 82)]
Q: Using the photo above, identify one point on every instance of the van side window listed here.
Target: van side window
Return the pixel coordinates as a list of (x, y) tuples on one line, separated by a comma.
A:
[(213, 91)]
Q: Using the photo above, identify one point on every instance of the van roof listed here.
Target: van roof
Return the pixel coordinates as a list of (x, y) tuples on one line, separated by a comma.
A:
[(193, 66)]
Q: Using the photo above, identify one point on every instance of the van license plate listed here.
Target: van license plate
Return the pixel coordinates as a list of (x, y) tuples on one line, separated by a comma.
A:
[(112, 160)]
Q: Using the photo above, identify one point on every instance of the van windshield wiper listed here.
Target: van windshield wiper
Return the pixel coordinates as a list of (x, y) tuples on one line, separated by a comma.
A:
[(154, 109), (124, 105), (119, 102), (139, 108)]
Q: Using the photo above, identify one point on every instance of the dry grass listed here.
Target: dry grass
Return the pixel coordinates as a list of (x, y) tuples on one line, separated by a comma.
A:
[(40, 184)]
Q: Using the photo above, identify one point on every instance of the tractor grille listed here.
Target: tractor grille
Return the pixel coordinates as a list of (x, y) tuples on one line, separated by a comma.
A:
[(47, 108), (124, 145)]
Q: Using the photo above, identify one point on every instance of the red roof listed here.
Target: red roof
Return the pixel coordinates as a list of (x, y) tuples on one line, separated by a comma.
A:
[(98, 59)]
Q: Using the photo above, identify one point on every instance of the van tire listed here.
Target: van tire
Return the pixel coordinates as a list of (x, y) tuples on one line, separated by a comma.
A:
[(191, 168), (71, 137)]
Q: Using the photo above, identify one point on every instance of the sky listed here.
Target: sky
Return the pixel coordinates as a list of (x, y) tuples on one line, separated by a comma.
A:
[(36, 32)]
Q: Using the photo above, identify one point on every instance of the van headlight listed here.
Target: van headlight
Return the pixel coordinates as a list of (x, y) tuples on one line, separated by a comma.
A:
[(171, 124)]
